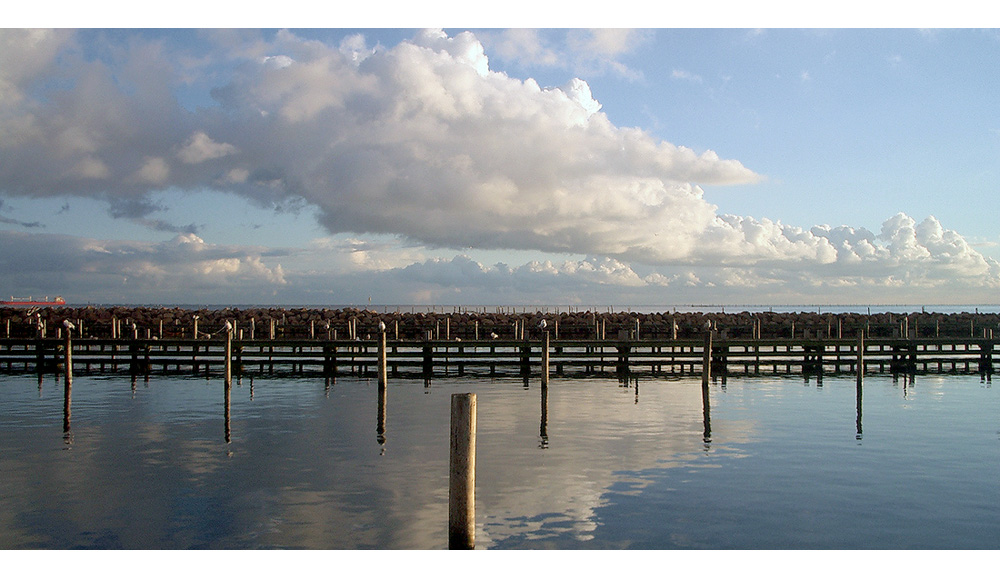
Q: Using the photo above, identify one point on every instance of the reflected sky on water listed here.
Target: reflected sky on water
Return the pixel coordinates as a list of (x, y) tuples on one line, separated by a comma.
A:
[(778, 462)]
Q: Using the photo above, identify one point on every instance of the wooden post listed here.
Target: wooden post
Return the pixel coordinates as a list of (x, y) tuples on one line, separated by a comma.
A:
[(382, 367), (545, 359), (69, 359), (861, 357), (462, 483), (229, 357), (706, 364)]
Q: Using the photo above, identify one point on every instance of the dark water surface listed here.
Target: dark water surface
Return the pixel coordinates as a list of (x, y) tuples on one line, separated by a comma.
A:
[(586, 463)]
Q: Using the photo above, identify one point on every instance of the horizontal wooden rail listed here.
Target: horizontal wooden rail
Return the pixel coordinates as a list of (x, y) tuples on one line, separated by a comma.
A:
[(339, 357)]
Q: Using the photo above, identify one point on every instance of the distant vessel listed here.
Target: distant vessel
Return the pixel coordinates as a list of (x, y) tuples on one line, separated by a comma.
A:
[(29, 301)]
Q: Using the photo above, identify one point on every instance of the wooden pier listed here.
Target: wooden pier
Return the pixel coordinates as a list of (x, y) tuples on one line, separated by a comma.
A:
[(408, 358)]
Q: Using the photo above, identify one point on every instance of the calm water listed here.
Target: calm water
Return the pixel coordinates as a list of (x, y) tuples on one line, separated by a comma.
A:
[(591, 464)]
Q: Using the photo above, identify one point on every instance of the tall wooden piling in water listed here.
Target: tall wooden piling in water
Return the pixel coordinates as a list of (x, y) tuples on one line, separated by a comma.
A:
[(861, 358), (68, 359), (706, 364), (229, 356), (383, 371), (462, 481), (545, 359)]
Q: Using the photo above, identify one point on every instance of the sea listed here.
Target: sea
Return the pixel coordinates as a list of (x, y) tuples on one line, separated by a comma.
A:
[(771, 462)]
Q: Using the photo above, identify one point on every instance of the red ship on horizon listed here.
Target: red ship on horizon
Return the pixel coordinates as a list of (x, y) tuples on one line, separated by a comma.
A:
[(29, 301)]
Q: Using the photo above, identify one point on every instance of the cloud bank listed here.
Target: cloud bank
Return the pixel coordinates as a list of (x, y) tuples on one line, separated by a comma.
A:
[(423, 141)]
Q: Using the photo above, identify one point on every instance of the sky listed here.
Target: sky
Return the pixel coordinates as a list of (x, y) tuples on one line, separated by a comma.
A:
[(485, 165)]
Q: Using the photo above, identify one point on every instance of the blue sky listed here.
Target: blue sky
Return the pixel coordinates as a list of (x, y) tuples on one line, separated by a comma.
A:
[(470, 166)]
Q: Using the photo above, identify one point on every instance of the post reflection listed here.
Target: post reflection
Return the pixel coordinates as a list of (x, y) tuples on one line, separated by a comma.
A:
[(860, 382), (228, 396), (543, 428), (706, 416), (380, 421), (67, 412)]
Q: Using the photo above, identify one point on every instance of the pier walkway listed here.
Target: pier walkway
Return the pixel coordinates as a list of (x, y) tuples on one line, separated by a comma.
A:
[(428, 358)]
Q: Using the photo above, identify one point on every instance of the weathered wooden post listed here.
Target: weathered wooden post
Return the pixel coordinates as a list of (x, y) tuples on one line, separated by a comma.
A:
[(462, 483), (229, 355), (706, 364), (861, 357), (68, 362), (383, 374), (545, 359), (195, 328)]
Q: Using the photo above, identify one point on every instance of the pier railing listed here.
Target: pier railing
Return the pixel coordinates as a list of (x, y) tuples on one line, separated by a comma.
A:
[(499, 357)]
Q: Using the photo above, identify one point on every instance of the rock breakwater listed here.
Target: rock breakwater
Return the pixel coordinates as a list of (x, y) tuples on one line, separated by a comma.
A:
[(347, 323)]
